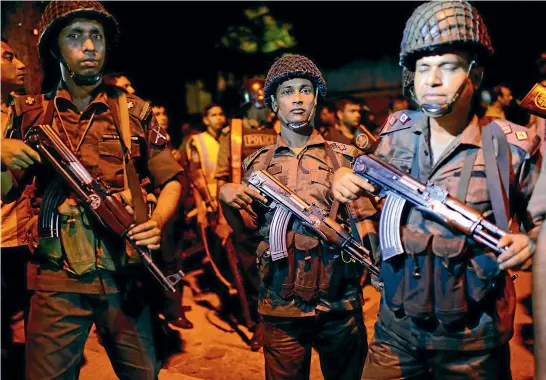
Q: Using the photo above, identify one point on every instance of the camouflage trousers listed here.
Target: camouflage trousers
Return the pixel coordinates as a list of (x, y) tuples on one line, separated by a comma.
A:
[(58, 327), (390, 357), (339, 338)]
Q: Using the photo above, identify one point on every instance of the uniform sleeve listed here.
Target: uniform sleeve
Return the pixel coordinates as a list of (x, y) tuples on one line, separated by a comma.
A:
[(162, 166), (223, 164), (537, 203)]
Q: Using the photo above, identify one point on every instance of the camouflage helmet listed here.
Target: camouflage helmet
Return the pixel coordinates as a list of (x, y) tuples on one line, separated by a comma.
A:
[(58, 13), (253, 93), (438, 24), (292, 66)]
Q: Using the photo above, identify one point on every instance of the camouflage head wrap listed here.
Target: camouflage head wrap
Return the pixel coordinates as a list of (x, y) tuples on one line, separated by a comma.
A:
[(292, 66), (57, 13), (442, 24)]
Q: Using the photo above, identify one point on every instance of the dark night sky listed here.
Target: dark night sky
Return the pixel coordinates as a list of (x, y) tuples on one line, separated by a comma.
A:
[(165, 43)]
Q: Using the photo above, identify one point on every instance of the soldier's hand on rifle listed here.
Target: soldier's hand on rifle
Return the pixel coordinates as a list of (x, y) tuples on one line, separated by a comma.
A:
[(521, 249), (147, 234), (17, 155), (347, 186), (238, 195), (223, 230)]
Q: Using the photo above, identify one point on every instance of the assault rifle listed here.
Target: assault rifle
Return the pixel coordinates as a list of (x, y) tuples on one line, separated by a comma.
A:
[(93, 193), (433, 201), (287, 203)]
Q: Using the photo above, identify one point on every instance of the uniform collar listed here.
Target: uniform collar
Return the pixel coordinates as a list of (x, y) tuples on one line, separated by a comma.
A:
[(99, 101), (314, 139), (471, 134)]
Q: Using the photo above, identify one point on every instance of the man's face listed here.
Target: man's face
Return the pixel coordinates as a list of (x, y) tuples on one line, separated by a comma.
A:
[(215, 118), (13, 70), (439, 77), (350, 115), (161, 116), (125, 83), (82, 45), (506, 98), (326, 116), (295, 100)]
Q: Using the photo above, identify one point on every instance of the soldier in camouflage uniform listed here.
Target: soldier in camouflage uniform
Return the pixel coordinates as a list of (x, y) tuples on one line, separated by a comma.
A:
[(448, 305), (311, 298), (80, 278)]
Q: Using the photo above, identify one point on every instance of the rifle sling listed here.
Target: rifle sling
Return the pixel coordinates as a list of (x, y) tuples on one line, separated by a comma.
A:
[(496, 172), (466, 174), (120, 113)]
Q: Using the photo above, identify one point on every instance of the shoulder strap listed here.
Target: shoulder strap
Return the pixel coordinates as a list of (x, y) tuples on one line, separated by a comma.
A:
[(497, 183), (236, 150), (124, 121), (466, 174), (120, 113), (415, 162)]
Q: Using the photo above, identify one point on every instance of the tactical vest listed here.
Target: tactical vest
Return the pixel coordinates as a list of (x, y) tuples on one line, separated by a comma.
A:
[(439, 278), (207, 148), (312, 270), (82, 245)]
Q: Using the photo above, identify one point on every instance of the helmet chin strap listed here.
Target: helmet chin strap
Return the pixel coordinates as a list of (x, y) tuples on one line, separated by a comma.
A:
[(300, 124), (81, 80), (437, 110)]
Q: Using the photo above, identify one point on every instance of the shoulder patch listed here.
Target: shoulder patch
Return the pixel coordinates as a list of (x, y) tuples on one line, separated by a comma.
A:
[(25, 103), (400, 120), (347, 150), (138, 107), (519, 135), (250, 159), (225, 130)]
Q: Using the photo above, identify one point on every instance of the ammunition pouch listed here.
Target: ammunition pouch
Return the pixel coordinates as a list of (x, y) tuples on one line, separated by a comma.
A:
[(76, 243), (438, 279), (310, 270)]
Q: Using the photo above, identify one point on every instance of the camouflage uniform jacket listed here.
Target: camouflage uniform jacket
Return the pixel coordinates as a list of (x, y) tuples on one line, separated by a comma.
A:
[(311, 279), (491, 324), (94, 139)]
